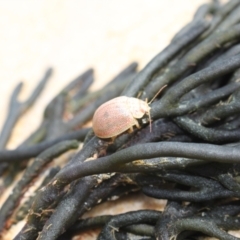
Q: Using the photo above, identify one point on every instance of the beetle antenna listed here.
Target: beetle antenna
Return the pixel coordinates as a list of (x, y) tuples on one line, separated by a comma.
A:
[(150, 120), (157, 93)]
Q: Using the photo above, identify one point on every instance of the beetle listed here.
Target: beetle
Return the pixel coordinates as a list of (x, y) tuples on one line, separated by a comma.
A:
[(118, 115)]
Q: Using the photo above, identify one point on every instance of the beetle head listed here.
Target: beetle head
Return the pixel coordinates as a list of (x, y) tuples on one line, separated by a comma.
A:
[(138, 108)]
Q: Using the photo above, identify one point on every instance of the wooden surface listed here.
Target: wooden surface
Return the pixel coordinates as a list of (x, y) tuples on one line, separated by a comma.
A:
[(71, 36)]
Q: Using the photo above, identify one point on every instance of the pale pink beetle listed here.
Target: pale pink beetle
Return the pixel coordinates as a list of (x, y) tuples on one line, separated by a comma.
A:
[(118, 115)]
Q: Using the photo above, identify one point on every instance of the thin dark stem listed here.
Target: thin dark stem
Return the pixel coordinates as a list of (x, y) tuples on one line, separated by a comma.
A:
[(207, 134), (117, 84), (30, 173), (221, 14), (200, 225), (222, 110), (12, 156), (207, 152), (193, 57), (16, 108), (76, 198), (163, 58), (24, 208), (113, 225), (203, 189), (170, 100)]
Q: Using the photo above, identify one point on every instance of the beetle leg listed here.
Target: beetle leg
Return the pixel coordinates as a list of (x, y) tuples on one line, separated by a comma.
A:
[(137, 124), (130, 130)]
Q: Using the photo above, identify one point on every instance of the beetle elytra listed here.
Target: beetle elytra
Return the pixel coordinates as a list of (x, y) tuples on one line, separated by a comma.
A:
[(118, 115)]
